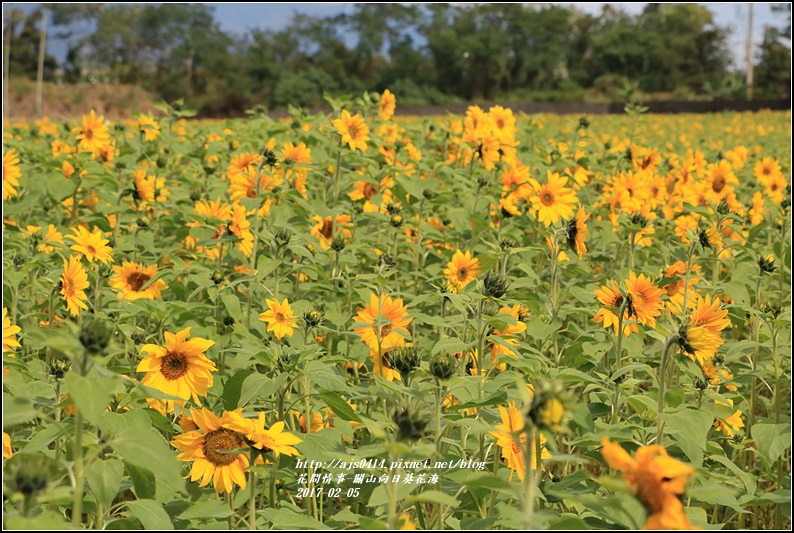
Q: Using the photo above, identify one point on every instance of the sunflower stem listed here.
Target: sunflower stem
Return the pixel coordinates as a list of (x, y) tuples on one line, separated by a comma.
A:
[(252, 488), (661, 376), (77, 506), (529, 479), (337, 172)]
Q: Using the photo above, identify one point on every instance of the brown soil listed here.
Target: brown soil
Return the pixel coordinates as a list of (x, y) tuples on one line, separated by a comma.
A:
[(73, 101)]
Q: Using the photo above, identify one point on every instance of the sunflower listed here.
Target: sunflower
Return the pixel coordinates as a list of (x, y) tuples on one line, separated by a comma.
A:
[(93, 136), (273, 439), (9, 330), (504, 123), (462, 269), (765, 169), (239, 228), (353, 129), (130, 279), (390, 315), (149, 128), (208, 447), (381, 366), (11, 174), (729, 425), (577, 232), (53, 236), (675, 289), (91, 245), (387, 105), (7, 451), (506, 334), (552, 201), (610, 296), (326, 228), (775, 186), (280, 318), (512, 438), (73, 282), (701, 336), (658, 480), (180, 369), (645, 302)]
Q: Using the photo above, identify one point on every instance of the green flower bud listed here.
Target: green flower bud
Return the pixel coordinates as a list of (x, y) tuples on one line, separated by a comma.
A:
[(443, 365), (95, 334), (411, 423)]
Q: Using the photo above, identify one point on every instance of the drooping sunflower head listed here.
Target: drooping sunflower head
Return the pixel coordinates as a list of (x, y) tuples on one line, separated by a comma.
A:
[(387, 105), (74, 281), (645, 301), (577, 232), (9, 331)]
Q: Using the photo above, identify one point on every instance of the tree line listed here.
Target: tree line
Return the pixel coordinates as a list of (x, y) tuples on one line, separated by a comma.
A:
[(425, 54)]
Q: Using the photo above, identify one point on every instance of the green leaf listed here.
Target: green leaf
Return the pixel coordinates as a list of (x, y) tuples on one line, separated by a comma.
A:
[(206, 509), (257, 386), (104, 479), (17, 411), (570, 523), (324, 376), (288, 519), (434, 496), (47, 521), (746, 478), (339, 406), (43, 438), (715, 494), (151, 514), (142, 480), (232, 304), (450, 345), (146, 449), (689, 428), (772, 440), (123, 524), (321, 446), (232, 389), (90, 395)]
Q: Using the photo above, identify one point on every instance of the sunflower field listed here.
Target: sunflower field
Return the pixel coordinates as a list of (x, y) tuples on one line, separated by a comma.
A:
[(361, 321)]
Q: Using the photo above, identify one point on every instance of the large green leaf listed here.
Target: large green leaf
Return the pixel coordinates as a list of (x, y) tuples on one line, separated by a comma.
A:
[(104, 479), (151, 514), (90, 395), (772, 440)]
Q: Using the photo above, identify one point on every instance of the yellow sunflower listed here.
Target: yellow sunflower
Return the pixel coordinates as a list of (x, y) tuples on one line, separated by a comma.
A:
[(390, 315), (658, 480), (702, 335), (325, 228), (73, 282), (93, 136), (577, 232), (512, 438), (387, 105), (11, 174), (353, 129), (7, 451), (180, 369), (149, 128), (9, 330), (462, 270), (91, 245), (729, 425), (238, 226), (507, 334), (130, 279), (645, 302), (280, 318), (610, 296), (273, 439), (553, 201), (207, 448)]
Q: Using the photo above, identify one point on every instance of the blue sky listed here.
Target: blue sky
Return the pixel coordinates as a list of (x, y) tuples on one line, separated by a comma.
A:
[(275, 16)]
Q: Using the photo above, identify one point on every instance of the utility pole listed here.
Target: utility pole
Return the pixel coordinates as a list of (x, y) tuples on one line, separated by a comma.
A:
[(9, 28), (40, 73), (749, 79)]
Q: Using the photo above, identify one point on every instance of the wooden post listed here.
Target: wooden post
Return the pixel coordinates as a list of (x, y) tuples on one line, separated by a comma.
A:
[(40, 73)]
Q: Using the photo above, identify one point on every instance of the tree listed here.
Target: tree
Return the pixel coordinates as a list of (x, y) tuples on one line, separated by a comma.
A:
[(773, 70)]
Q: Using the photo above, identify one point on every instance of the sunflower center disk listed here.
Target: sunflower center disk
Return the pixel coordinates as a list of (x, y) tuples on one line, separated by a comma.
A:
[(138, 280), (219, 441), (174, 366), (463, 273), (719, 184), (91, 249), (280, 317), (547, 198)]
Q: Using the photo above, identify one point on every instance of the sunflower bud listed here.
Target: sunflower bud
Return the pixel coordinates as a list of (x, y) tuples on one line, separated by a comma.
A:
[(701, 384), (550, 407), (358, 208), (105, 271), (584, 123), (405, 360), (295, 124), (385, 262), (629, 155), (723, 208), (195, 196), (313, 318), (338, 243), (393, 209), (411, 423), (138, 336), (771, 309), (443, 365), (29, 474), (228, 320), (269, 158), (59, 368), (396, 221), (121, 165), (119, 127), (95, 335), (766, 264), (428, 194), (495, 285), (144, 221), (161, 162), (284, 362), (282, 238), (209, 170), (217, 277), (482, 182)]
